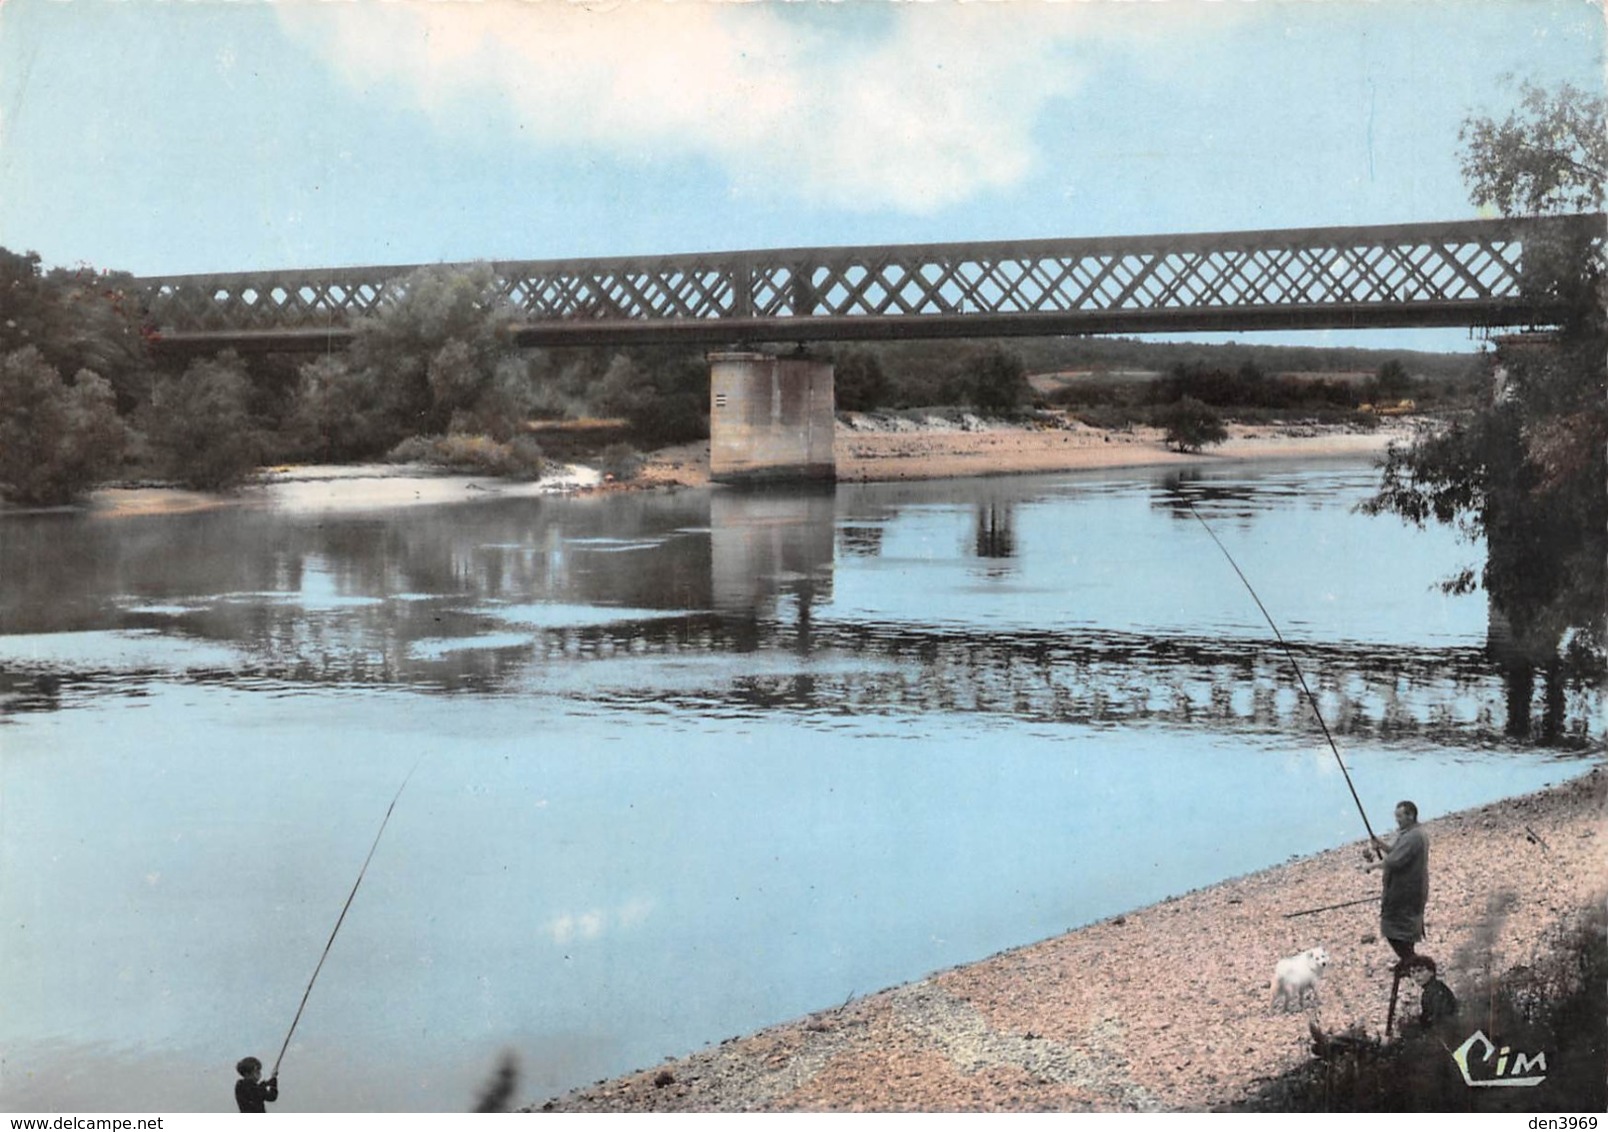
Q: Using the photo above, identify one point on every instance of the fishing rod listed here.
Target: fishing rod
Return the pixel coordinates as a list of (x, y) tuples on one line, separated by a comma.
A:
[(1299, 675), (340, 920), (1330, 907)]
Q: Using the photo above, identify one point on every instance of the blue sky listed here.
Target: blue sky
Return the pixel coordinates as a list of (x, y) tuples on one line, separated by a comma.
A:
[(162, 136)]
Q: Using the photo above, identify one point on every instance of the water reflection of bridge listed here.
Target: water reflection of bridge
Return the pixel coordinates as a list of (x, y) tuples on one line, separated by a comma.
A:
[(571, 601), (1452, 697)]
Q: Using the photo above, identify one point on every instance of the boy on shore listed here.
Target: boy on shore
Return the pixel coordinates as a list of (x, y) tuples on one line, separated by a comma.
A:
[(1436, 1002), (250, 1093)]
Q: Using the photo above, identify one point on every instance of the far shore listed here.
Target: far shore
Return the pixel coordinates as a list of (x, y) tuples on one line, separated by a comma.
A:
[(1166, 1008), (867, 449)]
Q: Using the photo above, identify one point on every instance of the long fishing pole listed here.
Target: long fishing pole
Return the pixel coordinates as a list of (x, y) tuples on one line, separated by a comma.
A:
[(339, 920), (1330, 907), (1299, 675)]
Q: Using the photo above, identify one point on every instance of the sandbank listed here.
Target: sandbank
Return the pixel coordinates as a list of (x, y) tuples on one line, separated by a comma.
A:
[(872, 448)]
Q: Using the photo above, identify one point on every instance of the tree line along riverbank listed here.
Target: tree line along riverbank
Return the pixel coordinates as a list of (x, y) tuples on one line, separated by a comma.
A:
[(435, 376)]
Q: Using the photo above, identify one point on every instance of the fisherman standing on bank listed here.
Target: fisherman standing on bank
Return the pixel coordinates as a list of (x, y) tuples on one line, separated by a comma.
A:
[(251, 1093), (1405, 862)]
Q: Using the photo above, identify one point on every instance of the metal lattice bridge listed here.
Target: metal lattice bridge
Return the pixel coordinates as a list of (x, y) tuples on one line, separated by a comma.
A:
[(1477, 273)]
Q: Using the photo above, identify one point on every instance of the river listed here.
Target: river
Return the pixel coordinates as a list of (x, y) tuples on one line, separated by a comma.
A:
[(682, 765)]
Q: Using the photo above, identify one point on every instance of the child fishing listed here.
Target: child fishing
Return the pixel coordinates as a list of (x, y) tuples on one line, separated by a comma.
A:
[(252, 1093), (250, 1067)]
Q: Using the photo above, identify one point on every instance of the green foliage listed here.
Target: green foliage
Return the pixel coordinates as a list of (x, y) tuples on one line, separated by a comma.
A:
[(56, 440), (200, 424), (996, 381), (664, 395), (1528, 474), (859, 382), (564, 383), (77, 319), (1249, 387), (340, 412), (438, 356), (1550, 155), (922, 374), (519, 458), (620, 461), (1190, 424), (1392, 382)]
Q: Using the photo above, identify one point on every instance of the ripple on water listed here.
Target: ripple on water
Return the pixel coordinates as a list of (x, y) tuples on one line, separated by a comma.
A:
[(434, 648), (559, 615), (116, 650), (613, 545)]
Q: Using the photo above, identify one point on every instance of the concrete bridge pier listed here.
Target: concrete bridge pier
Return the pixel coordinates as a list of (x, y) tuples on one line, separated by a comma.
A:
[(770, 419)]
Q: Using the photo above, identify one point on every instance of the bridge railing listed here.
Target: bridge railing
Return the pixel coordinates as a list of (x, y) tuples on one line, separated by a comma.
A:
[(1455, 273)]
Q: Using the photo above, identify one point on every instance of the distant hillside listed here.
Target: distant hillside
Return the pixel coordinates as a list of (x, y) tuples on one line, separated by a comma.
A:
[(1125, 371), (1057, 355)]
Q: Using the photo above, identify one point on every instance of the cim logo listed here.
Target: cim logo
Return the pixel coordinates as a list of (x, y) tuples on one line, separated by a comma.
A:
[(1522, 1071)]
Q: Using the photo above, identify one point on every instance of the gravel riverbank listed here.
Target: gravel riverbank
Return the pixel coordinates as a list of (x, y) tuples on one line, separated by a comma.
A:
[(1167, 1007)]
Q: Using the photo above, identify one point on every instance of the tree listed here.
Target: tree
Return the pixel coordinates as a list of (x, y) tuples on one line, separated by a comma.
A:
[(200, 423), (1392, 381), (662, 393), (1528, 473), (78, 319), (438, 356), (997, 380), (1190, 424), (1550, 155), (858, 381), (56, 439), (341, 412)]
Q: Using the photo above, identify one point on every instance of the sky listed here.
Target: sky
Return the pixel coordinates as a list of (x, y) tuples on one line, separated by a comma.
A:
[(170, 136)]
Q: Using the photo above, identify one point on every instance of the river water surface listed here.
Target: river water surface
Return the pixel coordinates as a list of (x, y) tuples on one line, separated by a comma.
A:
[(683, 765)]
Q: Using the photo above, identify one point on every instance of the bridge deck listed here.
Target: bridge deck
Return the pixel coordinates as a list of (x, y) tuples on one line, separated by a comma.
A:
[(1461, 273)]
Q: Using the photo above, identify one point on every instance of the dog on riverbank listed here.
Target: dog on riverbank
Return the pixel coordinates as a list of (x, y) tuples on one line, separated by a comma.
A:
[(1295, 977)]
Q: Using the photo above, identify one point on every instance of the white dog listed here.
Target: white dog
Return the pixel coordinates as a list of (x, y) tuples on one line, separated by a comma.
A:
[(1295, 976)]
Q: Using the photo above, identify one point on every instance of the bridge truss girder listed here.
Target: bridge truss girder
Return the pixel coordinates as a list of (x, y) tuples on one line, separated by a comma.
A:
[(1462, 273)]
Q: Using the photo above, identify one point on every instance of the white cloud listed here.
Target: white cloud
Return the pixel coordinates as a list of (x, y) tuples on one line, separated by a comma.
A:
[(570, 926), (579, 927), (907, 106)]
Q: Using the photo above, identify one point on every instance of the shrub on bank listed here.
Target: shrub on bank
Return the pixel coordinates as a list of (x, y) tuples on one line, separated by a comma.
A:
[(997, 381), (56, 440), (620, 461), (1558, 1006), (1190, 425), (519, 458), (1249, 387), (340, 412)]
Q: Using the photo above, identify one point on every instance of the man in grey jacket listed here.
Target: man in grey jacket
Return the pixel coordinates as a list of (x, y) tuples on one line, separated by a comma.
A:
[(1405, 862)]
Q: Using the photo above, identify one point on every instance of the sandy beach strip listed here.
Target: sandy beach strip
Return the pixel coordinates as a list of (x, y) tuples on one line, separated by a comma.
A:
[(1166, 1008), (870, 449), (864, 455), (306, 488)]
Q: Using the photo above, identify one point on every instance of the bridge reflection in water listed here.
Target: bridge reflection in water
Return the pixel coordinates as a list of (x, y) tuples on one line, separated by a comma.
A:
[(609, 604)]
